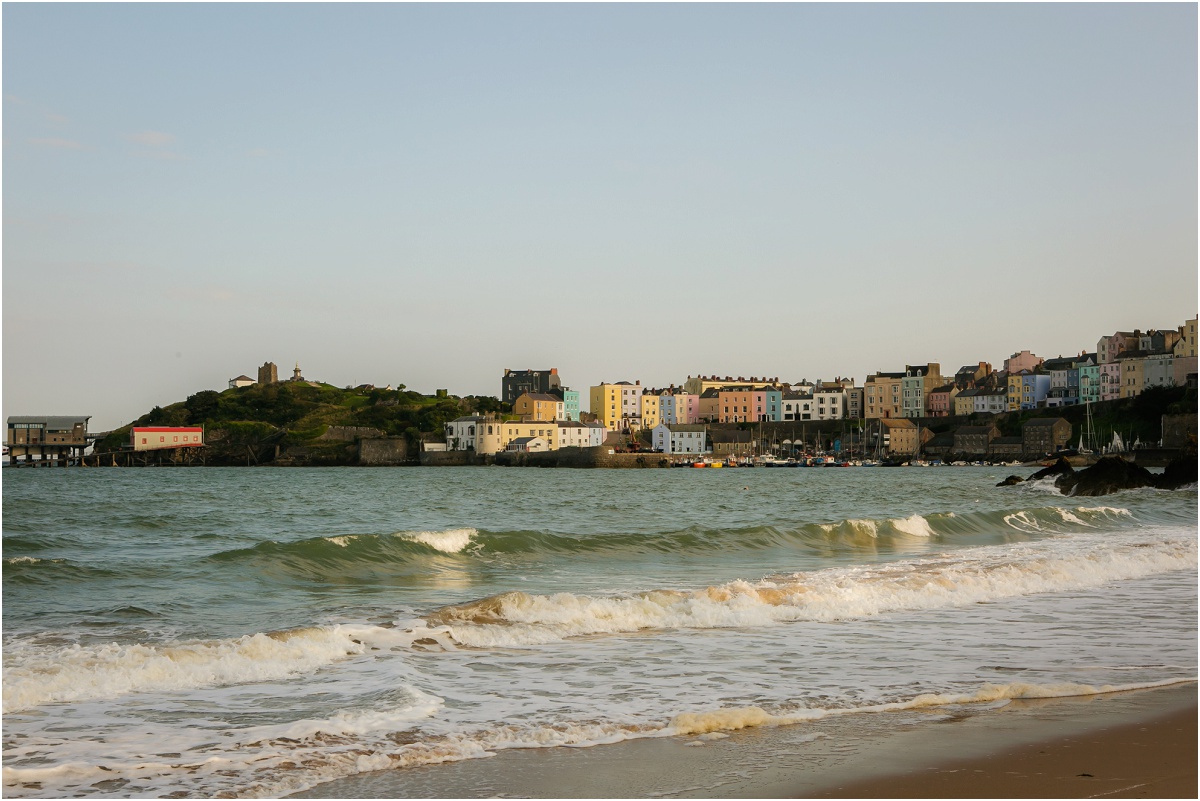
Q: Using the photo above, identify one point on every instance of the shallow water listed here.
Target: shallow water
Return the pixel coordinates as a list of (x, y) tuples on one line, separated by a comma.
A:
[(257, 631)]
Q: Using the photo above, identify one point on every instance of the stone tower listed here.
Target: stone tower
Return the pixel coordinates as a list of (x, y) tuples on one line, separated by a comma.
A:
[(268, 373)]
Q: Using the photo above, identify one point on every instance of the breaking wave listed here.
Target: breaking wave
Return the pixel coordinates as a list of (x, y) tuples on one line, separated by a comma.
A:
[(980, 575), (34, 676)]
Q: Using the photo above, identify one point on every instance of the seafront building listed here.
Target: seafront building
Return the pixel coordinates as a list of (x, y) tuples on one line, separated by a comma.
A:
[(537, 406), (516, 383), (680, 438)]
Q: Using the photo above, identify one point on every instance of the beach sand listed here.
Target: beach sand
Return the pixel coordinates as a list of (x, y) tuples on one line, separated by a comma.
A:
[(1133, 744)]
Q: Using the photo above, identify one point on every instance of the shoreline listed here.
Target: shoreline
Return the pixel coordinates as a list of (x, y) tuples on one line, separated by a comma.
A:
[(959, 752), (1154, 758)]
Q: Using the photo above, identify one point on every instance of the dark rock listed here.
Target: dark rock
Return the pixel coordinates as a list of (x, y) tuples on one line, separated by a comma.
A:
[(1110, 474), (1008, 482), (1178, 473), (1060, 468)]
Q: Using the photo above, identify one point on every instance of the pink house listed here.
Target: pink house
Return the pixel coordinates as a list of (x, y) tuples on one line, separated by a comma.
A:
[(1022, 361), (741, 405), (1110, 381)]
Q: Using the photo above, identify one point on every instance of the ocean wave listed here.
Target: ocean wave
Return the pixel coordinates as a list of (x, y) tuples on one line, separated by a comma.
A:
[(980, 575), (34, 676), (327, 557)]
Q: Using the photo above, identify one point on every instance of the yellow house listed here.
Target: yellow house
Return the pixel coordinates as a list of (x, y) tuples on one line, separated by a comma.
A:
[(539, 406), (651, 410), (618, 406), (1014, 390)]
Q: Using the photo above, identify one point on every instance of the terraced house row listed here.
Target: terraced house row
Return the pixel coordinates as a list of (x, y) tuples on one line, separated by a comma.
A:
[(548, 415)]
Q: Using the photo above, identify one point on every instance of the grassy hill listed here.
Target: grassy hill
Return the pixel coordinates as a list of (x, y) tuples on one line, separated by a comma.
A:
[(296, 414)]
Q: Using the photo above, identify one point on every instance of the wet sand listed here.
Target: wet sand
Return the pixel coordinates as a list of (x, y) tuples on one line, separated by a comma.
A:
[(1146, 759), (1134, 744)]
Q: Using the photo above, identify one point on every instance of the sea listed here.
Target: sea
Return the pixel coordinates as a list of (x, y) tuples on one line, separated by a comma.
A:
[(255, 632)]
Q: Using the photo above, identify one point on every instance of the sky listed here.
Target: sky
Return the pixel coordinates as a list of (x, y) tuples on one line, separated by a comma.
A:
[(429, 194)]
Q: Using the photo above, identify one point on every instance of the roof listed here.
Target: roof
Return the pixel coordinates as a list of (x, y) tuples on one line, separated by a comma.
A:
[(943, 388), (470, 418), (884, 375), (685, 427), (969, 393), (525, 440), (51, 422), (541, 396), (1044, 421), (244, 378), (894, 422)]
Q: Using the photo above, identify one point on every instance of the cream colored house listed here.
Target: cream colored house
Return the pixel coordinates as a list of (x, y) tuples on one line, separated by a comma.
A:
[(881, 396)]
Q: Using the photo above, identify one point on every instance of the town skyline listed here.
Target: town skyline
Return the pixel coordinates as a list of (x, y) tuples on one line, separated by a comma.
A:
[(412, 193)]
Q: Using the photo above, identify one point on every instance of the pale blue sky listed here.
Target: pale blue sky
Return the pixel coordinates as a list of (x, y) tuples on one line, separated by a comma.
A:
[(428, 194)]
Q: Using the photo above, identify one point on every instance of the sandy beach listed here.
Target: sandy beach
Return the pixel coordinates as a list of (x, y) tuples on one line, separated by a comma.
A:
[(1136, 744)]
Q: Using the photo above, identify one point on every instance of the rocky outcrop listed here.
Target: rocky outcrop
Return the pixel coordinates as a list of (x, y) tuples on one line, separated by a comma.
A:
[(1113, 474), (1110, 474), (1179, 472), (1060, 468)]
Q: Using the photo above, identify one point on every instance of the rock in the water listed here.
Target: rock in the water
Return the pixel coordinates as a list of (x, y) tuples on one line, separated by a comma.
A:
[(1060, 468), (1179, 472), (1008, 482), (1110, 474)]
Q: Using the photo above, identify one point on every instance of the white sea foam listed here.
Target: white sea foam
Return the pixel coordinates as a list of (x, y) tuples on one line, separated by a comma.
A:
[(449, 541), (1108, 511), (915, 526), (982, 575), (734, 718), (35, 676), (1022, 521), (343, 541), (26, 560), (1068, 517)]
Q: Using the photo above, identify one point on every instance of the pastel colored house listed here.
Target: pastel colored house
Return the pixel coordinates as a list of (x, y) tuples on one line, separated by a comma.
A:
[(918, 381), (618, 406), (680, 438), (940, 401), (1022, 361), (1034, 389), (829, 403), (570, 398), (741, 405), (881, 393), (539, 407), (1089, 382), (1110, 380), (797, 406), (964, 402)]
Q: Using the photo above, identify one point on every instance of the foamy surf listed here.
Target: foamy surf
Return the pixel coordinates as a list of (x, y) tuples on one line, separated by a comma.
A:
[(981, 575), (34, 676), (453, 540), (735, 718)]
